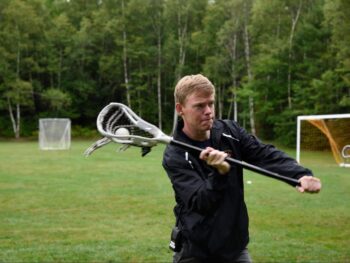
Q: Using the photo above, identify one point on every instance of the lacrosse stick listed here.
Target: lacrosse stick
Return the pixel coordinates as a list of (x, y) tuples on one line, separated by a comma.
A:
[(118, 123)]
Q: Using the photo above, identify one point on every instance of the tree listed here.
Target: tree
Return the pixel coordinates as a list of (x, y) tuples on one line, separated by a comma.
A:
[(226, 17), (228, 22), (60, 43), (337, 17), (183, 18), (125, 54), (294, 14), (247, 47), (18, 35), (157, 10), (269, 60), (18, 93), (56, 99)]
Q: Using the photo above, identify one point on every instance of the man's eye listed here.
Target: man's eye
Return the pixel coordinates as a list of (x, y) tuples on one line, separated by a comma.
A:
[(202, 106)]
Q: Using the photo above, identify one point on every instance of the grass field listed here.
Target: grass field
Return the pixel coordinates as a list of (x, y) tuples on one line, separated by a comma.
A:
[(57, 206)]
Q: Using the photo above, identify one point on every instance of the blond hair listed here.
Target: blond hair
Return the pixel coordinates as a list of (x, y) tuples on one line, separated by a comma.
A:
[(190, 84)]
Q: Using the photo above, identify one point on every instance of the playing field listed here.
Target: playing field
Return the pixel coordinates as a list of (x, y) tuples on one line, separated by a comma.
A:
[(57, 206)]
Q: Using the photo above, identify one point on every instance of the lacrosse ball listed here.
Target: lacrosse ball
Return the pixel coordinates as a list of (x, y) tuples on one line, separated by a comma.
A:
[(122, 132)]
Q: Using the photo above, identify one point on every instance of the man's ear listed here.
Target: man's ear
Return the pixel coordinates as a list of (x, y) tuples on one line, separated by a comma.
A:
[(178, 108)]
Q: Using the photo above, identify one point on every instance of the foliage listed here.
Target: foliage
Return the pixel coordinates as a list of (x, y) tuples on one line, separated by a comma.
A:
[(56, 99), (71, 58)]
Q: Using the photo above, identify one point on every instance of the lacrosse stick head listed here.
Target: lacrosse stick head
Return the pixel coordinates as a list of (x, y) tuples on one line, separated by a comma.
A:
[(120, 124)]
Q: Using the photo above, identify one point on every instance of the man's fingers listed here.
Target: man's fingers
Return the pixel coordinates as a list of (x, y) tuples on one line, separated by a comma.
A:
[(309, 184), (205, 153), (216, 157)]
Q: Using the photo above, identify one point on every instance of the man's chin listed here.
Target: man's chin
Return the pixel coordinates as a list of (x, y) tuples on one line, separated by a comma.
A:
[(207, 126)]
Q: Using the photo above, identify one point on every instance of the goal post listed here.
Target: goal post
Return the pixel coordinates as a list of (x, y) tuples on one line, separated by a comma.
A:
[(54, 133), (335, 130)]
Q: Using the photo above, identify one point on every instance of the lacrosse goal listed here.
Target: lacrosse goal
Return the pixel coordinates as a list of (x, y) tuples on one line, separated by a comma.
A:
[(54, 134), (325, 133)]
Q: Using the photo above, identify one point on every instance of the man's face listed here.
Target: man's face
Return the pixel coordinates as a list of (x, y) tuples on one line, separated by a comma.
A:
[(198, 114)]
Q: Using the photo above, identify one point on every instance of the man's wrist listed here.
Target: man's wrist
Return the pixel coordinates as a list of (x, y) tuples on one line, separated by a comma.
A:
[(224, 168)]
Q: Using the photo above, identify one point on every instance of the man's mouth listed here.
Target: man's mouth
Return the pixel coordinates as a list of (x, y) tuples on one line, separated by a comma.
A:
[(207, 120)]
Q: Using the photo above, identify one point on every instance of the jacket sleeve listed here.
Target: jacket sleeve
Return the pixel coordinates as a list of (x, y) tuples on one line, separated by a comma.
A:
[(268, 157), (198, 192)]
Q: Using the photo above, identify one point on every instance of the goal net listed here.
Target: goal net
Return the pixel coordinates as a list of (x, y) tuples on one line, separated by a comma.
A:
[(325, 133), (54, 134)]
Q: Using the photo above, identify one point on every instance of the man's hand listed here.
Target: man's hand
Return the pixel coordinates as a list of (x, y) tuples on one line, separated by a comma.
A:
[(309, 184), (216, 159)]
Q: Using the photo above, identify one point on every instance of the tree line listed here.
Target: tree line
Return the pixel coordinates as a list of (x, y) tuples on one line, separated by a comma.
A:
[(269, 60)]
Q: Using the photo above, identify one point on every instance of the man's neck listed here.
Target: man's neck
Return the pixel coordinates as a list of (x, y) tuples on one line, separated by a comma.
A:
[(197, 136)]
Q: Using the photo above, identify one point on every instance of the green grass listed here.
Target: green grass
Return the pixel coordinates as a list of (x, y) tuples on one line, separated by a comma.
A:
[(57, 206)]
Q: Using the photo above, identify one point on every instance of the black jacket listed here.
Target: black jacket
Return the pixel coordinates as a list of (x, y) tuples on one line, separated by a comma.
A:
[(210, 207)]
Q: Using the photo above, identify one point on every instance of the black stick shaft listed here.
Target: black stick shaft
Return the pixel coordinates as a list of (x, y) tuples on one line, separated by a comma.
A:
[(245, 165)]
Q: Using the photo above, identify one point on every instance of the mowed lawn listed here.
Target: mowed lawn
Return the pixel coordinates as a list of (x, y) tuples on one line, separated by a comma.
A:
[(58, 206)]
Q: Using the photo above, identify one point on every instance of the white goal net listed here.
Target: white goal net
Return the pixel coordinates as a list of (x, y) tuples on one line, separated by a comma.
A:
[(324, 133), (54, 134)]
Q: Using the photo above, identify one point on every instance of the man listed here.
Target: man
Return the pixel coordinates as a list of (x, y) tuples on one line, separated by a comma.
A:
[(210, 209)]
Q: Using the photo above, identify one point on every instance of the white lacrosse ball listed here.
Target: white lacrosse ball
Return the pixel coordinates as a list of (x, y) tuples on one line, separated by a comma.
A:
[(122, 132)]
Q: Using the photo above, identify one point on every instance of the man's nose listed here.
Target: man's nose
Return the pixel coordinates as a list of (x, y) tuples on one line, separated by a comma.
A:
[(208, 109)]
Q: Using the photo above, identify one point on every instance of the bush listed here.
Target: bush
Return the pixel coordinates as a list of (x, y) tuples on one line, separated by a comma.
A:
[(84, 132)]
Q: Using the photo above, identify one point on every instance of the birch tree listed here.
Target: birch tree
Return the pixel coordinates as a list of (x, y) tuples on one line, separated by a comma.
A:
[(18, 32), (248, 64), (228, 37), (294, 15), (125, 54), (157, 10)]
